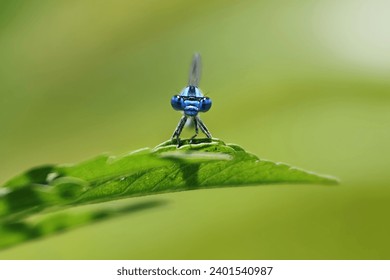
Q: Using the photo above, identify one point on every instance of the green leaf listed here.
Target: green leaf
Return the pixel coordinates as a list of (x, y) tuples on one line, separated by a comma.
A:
[(202, 164)]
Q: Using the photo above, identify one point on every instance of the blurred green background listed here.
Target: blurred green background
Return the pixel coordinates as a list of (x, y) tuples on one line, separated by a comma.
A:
[(302, 82)]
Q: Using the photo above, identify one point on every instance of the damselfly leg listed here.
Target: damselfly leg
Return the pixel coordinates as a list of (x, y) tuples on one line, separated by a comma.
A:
[(203, 127), (179, 129)]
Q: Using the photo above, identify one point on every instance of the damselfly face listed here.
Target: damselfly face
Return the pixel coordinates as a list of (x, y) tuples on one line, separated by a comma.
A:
[(191, 101)]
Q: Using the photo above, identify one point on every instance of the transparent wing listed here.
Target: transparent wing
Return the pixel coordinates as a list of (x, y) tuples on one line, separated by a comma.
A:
[(196, 66)]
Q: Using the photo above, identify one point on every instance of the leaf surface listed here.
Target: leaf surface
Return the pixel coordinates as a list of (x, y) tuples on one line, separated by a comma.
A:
[(166, 168)]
